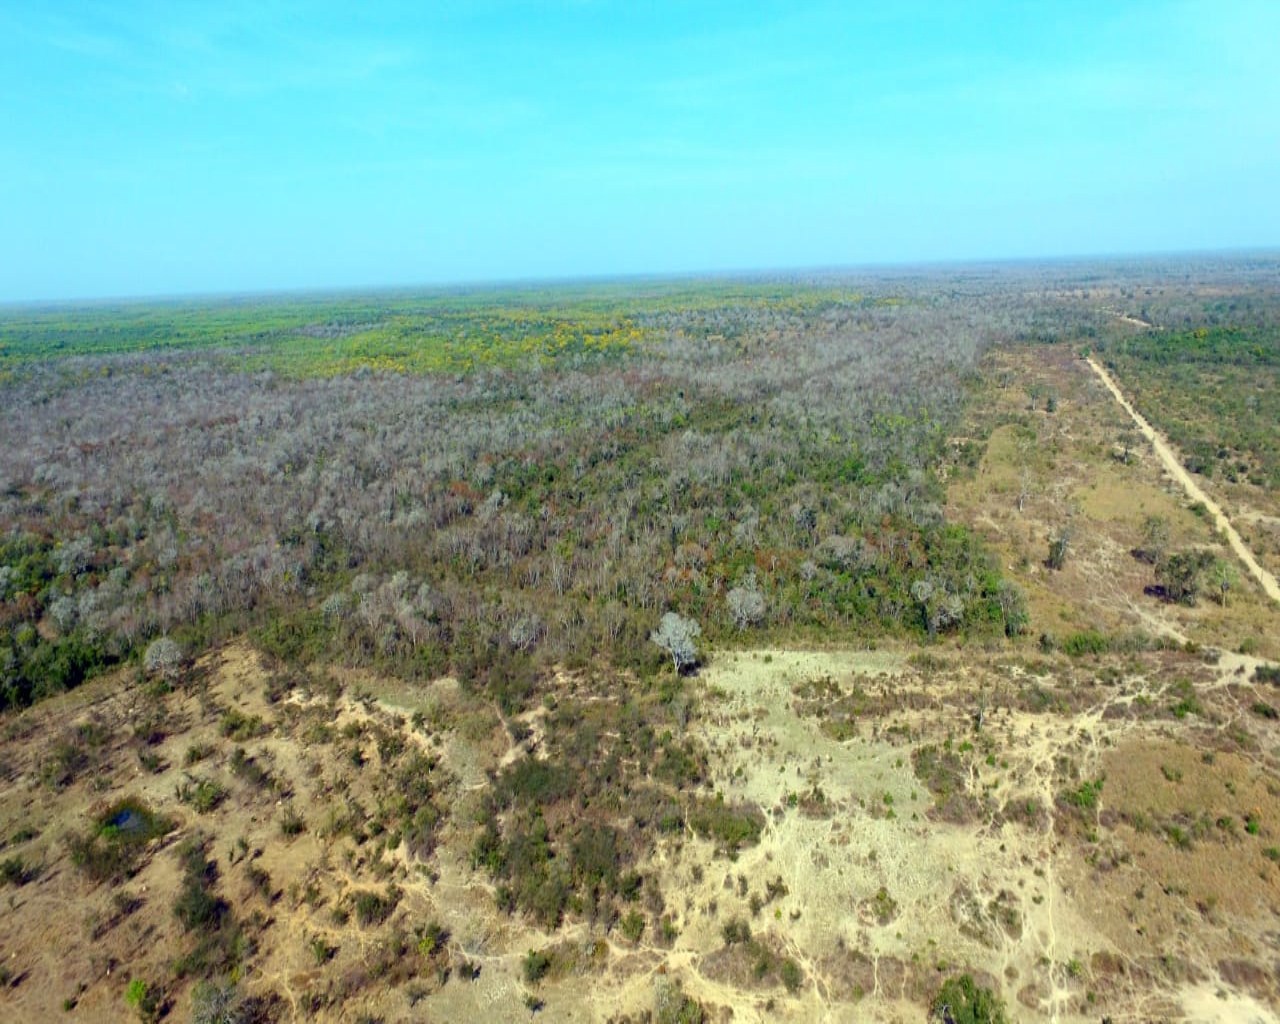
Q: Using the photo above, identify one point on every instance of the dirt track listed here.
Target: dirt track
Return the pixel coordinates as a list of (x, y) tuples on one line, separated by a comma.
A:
[(1175, 468)]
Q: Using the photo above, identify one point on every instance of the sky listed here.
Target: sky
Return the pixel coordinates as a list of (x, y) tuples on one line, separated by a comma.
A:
[(169, 148)]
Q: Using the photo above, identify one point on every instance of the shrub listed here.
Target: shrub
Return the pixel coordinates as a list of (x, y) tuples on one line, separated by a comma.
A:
[(1181, 575), (203, 795), (1086, 797), (1088, 642), (197, 906), (111, 849), (373, 908), (13, 871), (967, 1003), (217, 1003), (291, 822), (732, 826), (535, 966), (144, 999), (632, 925), (736, 932), (238, 726)]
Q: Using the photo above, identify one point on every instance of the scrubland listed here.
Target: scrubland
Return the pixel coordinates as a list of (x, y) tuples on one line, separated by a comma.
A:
[(815, 649)]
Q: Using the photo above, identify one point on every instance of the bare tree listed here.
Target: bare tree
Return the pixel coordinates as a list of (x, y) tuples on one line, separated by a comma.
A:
[(163, 657), (678, 637), (746, 603)]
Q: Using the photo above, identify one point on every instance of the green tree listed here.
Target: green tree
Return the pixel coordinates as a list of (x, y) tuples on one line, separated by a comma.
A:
[(962, 1001), (1155, 539), (1224, 577), (1181, 575)]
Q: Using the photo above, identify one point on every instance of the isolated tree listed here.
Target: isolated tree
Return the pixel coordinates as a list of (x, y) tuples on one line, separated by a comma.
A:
[(163, 657), (1058, 547), (746, 603), (217, 1003), (1155, 539), (1181, 575), (1013, 608), (1224, 577), (678, 637)]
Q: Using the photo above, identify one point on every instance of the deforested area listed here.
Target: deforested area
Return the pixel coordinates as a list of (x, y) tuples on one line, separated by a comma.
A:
[(823, 647)]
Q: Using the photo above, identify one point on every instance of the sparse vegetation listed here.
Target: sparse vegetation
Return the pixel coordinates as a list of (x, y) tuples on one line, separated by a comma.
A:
[(483, 582)]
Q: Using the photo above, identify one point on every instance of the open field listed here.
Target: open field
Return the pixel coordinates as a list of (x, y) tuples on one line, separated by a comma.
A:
[(806, 650)]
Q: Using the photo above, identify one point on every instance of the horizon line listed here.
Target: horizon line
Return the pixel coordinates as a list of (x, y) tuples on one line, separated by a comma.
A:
[(588, 279)]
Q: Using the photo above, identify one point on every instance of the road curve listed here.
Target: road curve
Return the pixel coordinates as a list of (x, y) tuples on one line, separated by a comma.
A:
[(1175, 468)]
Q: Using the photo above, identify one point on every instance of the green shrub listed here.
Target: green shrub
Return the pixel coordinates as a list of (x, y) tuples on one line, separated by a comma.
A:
[(967, 1003), (535, 966), (111, 849), (736, 932), (373, 908), (732, 826), (13, 871), (202, 795), (1088, 642), (237, 726), (1085, 797), (632, 925), (144, 999)]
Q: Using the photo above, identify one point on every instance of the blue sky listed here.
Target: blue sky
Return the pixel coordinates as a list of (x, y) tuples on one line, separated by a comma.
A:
[(160, 148)]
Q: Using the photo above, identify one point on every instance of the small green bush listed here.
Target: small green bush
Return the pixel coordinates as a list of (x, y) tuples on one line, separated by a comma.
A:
[(967, 1003), (535, 966), (143, 999)]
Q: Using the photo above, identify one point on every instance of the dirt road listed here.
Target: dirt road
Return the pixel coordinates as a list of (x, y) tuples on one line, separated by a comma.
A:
[(1175, 468)]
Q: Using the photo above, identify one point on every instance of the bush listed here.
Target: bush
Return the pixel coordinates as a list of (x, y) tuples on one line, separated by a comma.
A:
[(535, 965), (966, 1003), (197, 906), (110, 851), (373, 908), (213, 1003), (736, 931), (144, 999), (1181, 575), (291, 822), (732, 826), (13, 871), (1088, 642), (203, 795), (1086, 797), (238, 726), (633, 925)]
